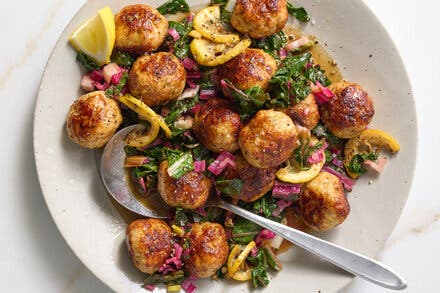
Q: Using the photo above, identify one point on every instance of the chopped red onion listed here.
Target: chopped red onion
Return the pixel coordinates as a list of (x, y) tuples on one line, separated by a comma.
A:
[(284, 191), (178, 251), (322, 94), (200, 166), (189, 64), (297, 44), (318, 156), (96, 75), (254, 251), (189, 93), (111, 70), (117, 77), (223, 160), (191, 83), (378, 165), (87, 83), (281, 206), (201, 211), (150, 287), (282, 53), (194, 74), (335, 151), (337, 162), (206, 94), (190, 17), (174, 34), (196, 108), (225, 89), (102, 86), (188, 285), (347, 182), (263, 235)]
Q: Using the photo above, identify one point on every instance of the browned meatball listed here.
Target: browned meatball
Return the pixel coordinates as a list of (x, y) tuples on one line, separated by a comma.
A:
[(305, 113), (93, 119), (349, 111), (253, 67), (217, 126), (139, 28), (322, 203), (269, 139), (157, 78), (208, 249), (190, 191), (256, 181), (259, 18), (149, 243)]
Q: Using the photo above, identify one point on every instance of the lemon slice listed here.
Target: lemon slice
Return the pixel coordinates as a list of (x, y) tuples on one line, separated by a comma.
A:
[(139, 138), (289, 175), (145, 112), (96, 37), (207, 22), (369, 141), (209, 53)]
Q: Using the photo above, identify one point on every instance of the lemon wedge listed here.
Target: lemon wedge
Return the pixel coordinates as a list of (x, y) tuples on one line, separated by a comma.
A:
[(145, 112), (207, 22), (369, 141), (96, 37), (209, 53), (291, 174)]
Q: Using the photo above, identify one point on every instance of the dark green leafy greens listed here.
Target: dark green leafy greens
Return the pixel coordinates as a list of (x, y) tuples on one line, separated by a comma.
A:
[(262, 263), (181, 46), (298, 12), (123, 59), (292, 80), (230, 187), (115, 90), (179, 107), (244, 231), (173, 6), (264, 206), (179, 163), (247, 102), (87, 62), (356, 164), (303, 152), (174, 278), (272, 44)]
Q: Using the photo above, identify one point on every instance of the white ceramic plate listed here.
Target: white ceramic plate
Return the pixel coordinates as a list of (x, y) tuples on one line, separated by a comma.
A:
[(94, 230)]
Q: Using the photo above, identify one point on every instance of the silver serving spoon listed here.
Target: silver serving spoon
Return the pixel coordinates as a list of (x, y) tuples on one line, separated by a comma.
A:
[(114, 177)]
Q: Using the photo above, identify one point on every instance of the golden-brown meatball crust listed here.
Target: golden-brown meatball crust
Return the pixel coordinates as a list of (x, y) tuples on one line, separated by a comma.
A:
[(217, 126), (208, 249), (93, 119), (190, 191), (304, 113), (139, 28), (149, 243), (269, 139), (253, 67), (259, 18), (349, 111), (322, 202), (256, 181), (157, 78)]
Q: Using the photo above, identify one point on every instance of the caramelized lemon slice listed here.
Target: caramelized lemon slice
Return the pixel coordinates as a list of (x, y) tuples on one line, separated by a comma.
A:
[(96, 37), (145, 112), (369, 141), (209, 53), (207, 22)]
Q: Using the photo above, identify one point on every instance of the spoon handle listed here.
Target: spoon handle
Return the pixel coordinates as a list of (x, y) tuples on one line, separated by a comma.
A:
[(348, 260)]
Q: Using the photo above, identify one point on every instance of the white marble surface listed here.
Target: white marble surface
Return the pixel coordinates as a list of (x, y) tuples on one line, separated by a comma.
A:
[(33, 255)]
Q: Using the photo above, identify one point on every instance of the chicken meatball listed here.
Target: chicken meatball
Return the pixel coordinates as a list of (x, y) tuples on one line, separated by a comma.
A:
[(217, 126), (256, 181), (149, 243), (139, 29), (208, 249), (259, 18), (322, 202), (304, 113), (269, 139), (253, 67), (349, 111), (190, 191), (157, 78), (93, 119)]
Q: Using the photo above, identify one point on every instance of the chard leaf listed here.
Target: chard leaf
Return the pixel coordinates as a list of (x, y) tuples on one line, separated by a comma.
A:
[(179, 164), (173, 6), (298, 12)]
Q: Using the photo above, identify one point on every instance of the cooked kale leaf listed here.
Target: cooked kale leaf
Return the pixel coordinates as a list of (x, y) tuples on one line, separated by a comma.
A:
[(356, 164), (173, 6), (298, 12), (87, 62)]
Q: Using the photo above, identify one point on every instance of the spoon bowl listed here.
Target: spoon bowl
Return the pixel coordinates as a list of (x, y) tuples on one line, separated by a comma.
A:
[(115, 179)]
